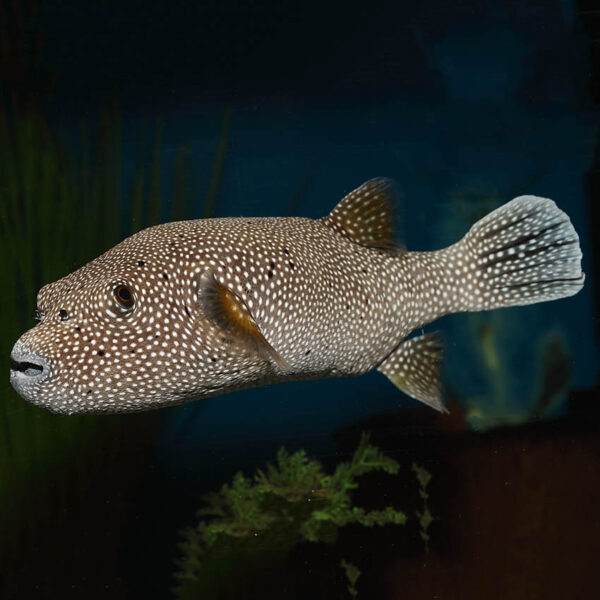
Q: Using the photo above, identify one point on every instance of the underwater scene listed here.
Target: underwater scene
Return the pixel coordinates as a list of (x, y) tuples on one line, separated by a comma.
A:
[(389, 391)]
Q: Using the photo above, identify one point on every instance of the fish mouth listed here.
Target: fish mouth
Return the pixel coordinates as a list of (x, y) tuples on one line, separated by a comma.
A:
[(27, 368)]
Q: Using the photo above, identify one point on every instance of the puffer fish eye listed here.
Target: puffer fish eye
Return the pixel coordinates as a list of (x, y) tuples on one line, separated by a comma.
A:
[(124, 297)]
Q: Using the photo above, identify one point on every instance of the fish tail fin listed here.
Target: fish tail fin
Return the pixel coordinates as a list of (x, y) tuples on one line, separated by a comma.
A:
[(524, 252)]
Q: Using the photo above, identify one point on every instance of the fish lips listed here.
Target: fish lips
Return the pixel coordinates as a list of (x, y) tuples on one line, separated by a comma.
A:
[(27, 371)]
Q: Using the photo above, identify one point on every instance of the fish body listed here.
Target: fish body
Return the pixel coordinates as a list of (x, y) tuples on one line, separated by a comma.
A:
[(192, 309)]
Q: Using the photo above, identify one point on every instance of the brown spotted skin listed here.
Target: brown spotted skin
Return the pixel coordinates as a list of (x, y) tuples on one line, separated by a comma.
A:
[(328, 297), (319, 299)]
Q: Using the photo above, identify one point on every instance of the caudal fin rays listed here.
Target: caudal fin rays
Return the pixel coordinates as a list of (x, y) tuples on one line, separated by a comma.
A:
[(524, 252)]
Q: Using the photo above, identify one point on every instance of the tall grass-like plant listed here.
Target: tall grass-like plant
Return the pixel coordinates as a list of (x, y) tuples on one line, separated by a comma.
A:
[(49, 215), (61, 204)]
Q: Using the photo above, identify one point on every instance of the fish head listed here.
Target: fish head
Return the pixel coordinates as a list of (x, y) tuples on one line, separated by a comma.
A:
[(129, 331)]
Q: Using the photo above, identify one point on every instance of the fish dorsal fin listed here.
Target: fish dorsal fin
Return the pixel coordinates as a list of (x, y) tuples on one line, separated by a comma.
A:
[(367, 215), (414, 368), (229, 312)]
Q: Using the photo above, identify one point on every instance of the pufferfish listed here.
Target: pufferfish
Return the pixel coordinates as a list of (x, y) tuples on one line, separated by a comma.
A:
[(193, 309)]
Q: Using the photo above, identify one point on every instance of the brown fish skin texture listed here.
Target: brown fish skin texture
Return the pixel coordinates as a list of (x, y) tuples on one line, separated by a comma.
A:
[(192, 309)]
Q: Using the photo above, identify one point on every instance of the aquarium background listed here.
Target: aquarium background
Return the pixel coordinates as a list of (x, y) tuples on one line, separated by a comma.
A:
[(118, 116)]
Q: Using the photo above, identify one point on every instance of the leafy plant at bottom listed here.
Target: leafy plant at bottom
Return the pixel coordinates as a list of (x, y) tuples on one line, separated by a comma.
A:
[(425, 517), (255, 521)]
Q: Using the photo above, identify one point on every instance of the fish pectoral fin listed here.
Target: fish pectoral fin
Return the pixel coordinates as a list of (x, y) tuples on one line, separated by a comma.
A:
[(368, 215), (414, 368), (230, 313)]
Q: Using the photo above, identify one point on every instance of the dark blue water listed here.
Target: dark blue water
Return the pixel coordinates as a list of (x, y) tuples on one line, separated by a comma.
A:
[(460, 103)]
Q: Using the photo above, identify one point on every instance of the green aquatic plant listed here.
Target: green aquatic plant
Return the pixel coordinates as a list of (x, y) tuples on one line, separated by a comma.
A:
[(63, 202), (252, 524), (425, 517), (555, 365), (50, 213), (501, 406), (352, 574)]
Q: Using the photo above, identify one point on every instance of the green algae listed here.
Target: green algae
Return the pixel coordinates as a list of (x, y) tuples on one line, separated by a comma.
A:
[(252, 524)]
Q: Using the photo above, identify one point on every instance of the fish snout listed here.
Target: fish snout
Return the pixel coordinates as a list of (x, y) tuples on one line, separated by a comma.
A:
[(27, 368)]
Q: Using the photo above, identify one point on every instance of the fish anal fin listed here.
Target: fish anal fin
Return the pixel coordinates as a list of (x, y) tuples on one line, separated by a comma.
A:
[(367, 215), (229, 312), (414, 368)]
